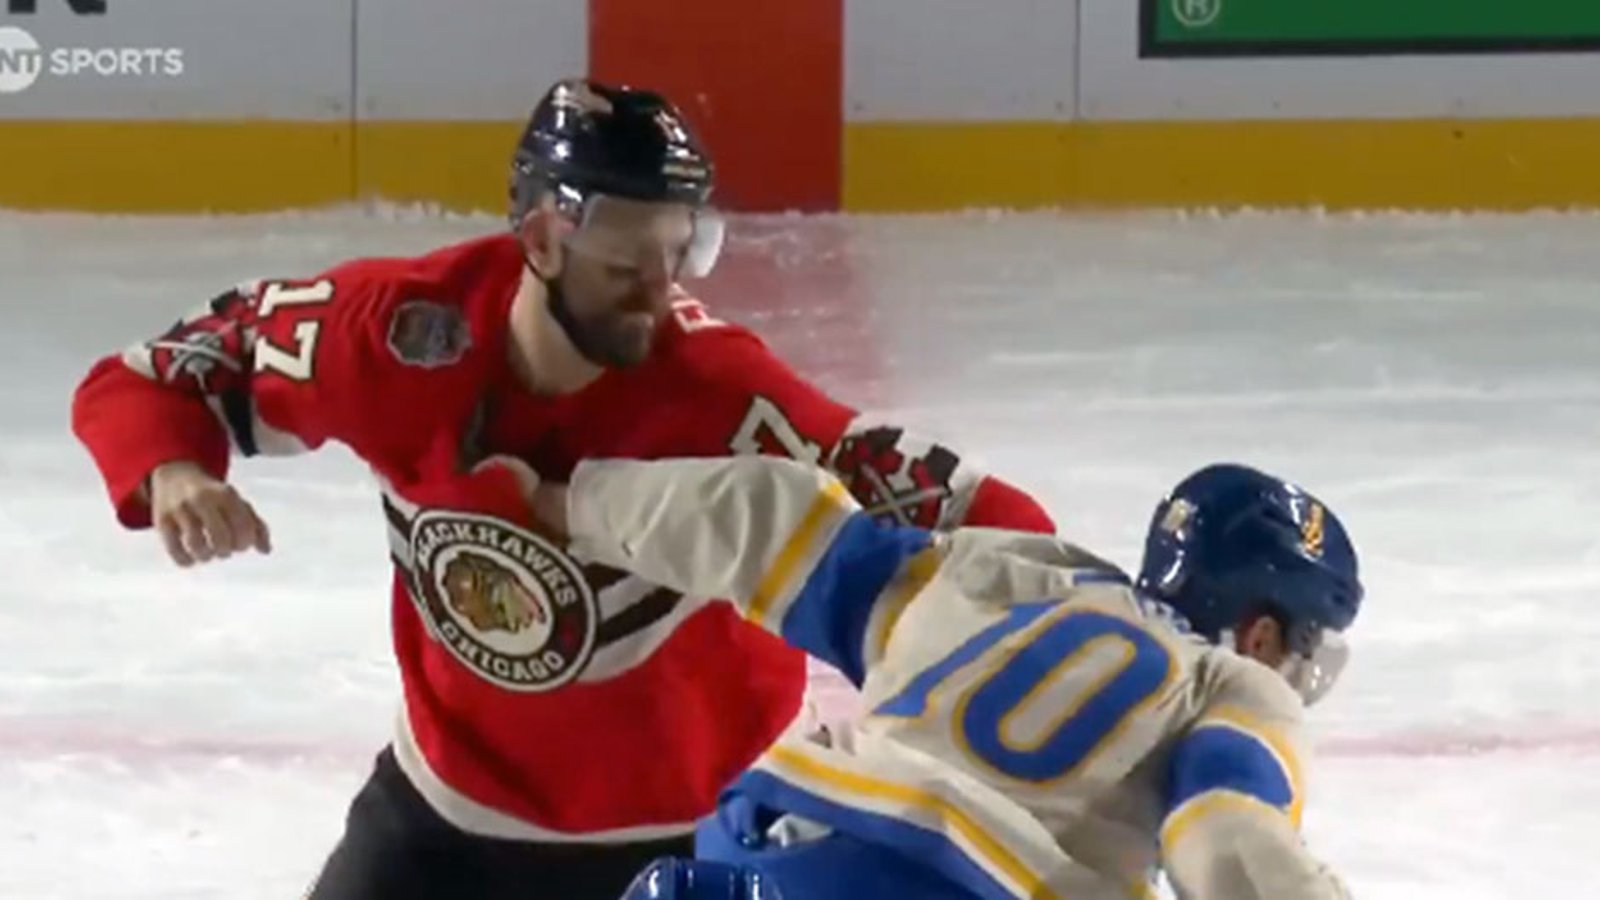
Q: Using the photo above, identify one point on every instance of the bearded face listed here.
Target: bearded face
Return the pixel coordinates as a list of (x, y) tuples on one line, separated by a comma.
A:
[(613, 310), (612, 265)]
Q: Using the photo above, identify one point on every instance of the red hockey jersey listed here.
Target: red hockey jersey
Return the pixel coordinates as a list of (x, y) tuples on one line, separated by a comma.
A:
[(544, 699)]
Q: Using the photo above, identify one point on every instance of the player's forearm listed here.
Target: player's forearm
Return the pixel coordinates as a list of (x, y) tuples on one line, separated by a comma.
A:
[(131, 425), (782, 539), (1246, 854), (711, 527)]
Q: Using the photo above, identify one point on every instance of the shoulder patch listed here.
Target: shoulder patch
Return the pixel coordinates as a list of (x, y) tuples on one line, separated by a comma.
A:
[(428, 334)]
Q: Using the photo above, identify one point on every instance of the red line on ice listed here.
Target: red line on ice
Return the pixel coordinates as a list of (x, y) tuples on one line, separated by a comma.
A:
[(18, 737), (1461, 744)]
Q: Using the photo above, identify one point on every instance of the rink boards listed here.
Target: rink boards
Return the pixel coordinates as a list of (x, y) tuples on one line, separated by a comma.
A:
[(862, 105)]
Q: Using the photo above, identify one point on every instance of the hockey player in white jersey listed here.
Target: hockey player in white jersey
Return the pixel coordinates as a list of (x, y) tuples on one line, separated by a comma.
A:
[(1037, 726)]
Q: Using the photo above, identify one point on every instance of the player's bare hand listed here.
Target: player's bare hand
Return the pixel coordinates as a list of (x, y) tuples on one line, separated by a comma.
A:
[(201, 517), (550, 507), (549, 501)]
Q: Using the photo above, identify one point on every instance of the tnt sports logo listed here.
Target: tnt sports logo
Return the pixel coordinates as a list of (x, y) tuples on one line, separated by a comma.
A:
[(1197, 13), (23, 61), (507, 603)]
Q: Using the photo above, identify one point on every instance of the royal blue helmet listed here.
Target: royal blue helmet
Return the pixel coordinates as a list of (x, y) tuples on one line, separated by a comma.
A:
[(698, 879), (1230, 543)]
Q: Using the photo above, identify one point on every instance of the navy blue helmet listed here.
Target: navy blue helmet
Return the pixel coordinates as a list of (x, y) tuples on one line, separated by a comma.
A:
[(1230, 542), (586, 138), (622, 168)]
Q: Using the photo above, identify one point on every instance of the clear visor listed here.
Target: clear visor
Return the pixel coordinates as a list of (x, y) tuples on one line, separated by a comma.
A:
[(1314, 676), (672, 237)]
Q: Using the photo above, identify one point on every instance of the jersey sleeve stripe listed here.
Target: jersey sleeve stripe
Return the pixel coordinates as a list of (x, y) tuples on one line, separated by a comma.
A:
[(1222, 758), (1181, 822), (826, 513), (829, 616), (1276, 743), (910, 582)]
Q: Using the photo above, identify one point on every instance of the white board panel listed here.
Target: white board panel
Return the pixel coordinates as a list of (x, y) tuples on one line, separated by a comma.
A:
[(1114, 83), (465, 59), (240, 59), (959, 59)]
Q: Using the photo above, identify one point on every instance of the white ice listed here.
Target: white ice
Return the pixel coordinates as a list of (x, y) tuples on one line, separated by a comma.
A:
[(197, 734)]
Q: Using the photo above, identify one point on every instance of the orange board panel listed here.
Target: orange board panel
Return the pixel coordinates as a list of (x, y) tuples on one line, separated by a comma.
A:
[(761, 80)]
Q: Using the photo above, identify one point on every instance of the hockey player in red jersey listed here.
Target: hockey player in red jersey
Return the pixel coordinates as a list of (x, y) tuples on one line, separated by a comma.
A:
[(562, 724)]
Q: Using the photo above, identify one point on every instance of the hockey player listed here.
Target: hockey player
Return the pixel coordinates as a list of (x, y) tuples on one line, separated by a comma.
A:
[(1038, 727), (562, 724)]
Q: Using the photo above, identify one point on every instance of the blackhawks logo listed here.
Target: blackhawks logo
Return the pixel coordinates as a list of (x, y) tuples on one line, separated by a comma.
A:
[(508, 603)]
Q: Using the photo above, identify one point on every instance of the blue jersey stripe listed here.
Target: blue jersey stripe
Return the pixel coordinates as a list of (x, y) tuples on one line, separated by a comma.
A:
[(828, 618), (1218, 757)]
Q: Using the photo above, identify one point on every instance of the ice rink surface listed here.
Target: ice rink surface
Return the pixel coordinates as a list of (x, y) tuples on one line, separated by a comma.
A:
[(196, 734)]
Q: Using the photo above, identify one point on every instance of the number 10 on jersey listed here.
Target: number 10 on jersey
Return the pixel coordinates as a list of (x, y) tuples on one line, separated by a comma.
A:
[(1042, 691)]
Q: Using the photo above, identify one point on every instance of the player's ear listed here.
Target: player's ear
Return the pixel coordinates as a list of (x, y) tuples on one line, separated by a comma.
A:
[(1262, 638), (541, 232)]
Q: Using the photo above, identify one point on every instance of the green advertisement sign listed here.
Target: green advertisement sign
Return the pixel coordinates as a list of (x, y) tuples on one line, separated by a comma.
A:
[(1366, 27)]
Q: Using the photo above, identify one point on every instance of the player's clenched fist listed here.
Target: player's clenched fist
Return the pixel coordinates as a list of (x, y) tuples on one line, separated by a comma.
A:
[(201, 517), (549, 503)]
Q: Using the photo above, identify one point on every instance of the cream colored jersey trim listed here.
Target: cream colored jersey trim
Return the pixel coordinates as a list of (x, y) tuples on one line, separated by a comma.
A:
[(1227, 845)]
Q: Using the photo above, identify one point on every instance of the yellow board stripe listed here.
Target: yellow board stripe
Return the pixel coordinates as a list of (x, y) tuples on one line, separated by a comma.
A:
[(251, 165), (954, 818), (1498, 164), (155, 166), (832, 503), (458, 165), (240, 166)]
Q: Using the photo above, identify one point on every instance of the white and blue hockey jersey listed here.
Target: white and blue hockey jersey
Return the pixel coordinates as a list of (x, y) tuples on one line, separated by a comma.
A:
[(1033, 729)]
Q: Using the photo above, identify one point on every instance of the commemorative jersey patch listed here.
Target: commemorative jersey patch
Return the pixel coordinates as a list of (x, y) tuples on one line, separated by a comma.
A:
[(428, 334)]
